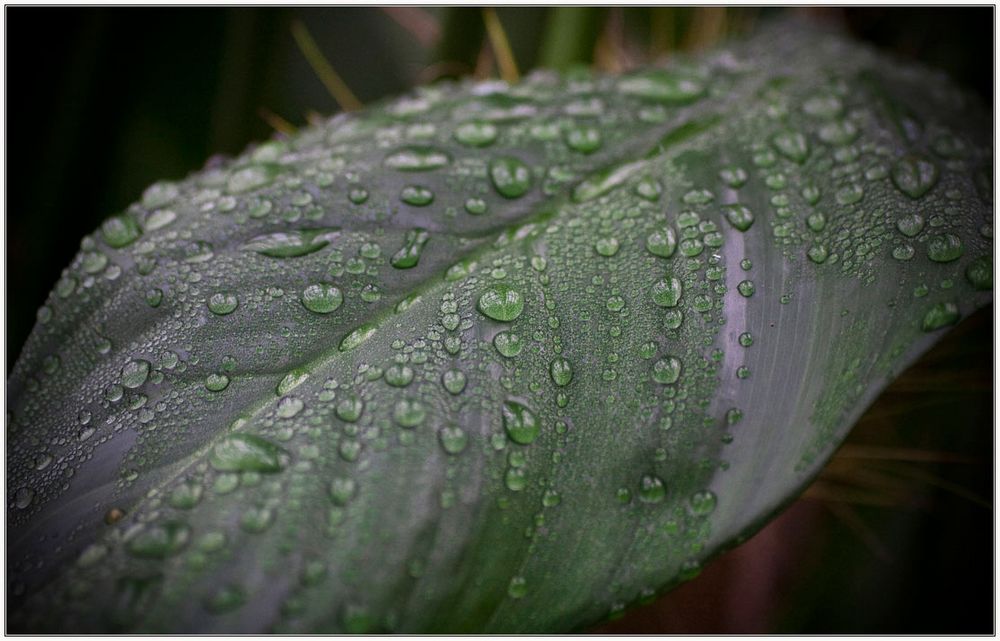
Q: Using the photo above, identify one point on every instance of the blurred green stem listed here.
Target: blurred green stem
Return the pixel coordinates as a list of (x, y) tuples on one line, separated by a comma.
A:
[(569, 38)]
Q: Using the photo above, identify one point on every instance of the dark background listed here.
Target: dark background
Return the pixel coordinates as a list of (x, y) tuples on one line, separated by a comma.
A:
[(103, 102)]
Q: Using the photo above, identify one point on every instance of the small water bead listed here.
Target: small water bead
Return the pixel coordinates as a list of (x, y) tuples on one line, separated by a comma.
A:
[(662, 242), (216, 382), (322, 298), (454, 381), (120, 231), (698, 197), (222, 303), (838, 133), (561, 371), (945, 248), (673, 318), (663, 86), (399, 375), (289, 406), (910, 225), (746, 288), (413, 246), (739, 216), (818, 254), (649, 189), (651, 489), (159, 194), (667, 370), (416, 195), (501, 302), (979, 273), (702, 503), (23, 498), (517, 588), (453, 439), (342, 490), (510, 177), (585, 140), (186, 496), (417, 158), (358, 195), (733, 416), (691, 247), (734, 177), (940, 315), (247, 453), (350, 408), (409, 413), (508, 344), (520, 423), (903, 252), (159, 541), (476, 133), (607, 246), (252, 177), (615, 303), (816, 222), (475, 206), (792, 145), (667, 292), (849, 194), (93, 262), (135, 373), (742, 372), (914, 176)]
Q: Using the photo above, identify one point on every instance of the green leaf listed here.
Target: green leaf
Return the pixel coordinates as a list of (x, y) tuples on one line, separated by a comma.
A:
[(373, 378)]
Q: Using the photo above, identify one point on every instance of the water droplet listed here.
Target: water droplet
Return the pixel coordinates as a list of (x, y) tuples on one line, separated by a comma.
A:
[(185, 496), (453, 381), (734, 177), (739, 216), (357, 337), (135, 373), (159, 541), (216, 382), (476, 133), (980, 273), (120, 231), (252, 177), (511, 177), (416, 195), (903, 252), (453, 439), (23, 497), (289, 406), (792, 145), (508, 344), (501, 302), (585, 140), (663, 86), (322, 298), (910, 225), (225, 599), (746, 288), (350, 408), (413, 246), (520, 423), (399, 375), (746, 339), (914, 176), (561, 371), (517, 588), (607, 246), (342, 490), (651, 489), (945, 248), (409, 412), (667, 292), (667, 370), (291, 244), (223, 303), (940, 315), (247, 453), (662, 242), (818, 254), (417, 158), (702, 503), (475, 206)]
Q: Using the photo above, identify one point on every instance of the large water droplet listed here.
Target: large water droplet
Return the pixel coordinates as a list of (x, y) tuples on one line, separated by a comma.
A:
[(510, 177), (413, 246), (914, 176), (561, 371), (289, 244), (322, 298), (501, 302), (247, 453), (520, 423)]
